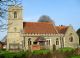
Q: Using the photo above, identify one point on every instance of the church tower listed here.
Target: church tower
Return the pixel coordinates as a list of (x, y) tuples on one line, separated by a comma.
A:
[(15, 26)]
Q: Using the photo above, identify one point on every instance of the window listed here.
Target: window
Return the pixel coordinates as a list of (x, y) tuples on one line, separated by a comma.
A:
[(48, 42), (34, 42), (29, 41), (57, 41), (15, 14), (71, 39)]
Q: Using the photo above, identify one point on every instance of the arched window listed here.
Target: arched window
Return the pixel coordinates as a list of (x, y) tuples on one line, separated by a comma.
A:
[(71, 39), (15, 14), (29, 41), (57, 41)]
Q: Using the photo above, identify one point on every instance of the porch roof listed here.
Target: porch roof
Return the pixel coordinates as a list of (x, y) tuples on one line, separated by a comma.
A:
[(40, 39)]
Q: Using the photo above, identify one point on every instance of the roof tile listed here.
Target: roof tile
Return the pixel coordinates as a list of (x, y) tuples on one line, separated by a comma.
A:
[(39, 27), (43, 28)]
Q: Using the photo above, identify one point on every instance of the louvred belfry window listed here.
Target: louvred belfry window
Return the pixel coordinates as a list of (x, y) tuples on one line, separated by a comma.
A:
[(15, 14)]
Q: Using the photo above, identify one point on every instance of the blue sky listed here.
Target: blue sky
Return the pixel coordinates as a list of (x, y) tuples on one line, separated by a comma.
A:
[(63, 12)]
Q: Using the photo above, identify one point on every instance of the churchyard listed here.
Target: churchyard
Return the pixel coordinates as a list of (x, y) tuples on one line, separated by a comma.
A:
[(60, 53)]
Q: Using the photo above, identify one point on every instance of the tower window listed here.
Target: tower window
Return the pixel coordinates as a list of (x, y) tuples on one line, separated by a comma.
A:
[(15, 14)]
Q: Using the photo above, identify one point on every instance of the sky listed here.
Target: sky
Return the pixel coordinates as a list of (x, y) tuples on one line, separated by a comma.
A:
[(62, 12)]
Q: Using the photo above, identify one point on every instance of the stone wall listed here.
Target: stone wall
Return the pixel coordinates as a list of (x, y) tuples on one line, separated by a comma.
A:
[(75, 42)]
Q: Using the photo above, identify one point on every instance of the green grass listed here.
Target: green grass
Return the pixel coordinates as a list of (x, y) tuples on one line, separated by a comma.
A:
[(66, 49), (8, 54), (40, 52), (75, 56)]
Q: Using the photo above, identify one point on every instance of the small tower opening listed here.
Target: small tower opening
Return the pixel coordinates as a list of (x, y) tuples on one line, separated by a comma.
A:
[(15, 14)]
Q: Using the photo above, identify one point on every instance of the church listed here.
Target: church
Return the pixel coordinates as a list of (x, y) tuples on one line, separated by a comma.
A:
[(37, 35)]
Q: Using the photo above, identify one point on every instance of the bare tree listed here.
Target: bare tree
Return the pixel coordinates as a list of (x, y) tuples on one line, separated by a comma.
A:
[(4, 4)]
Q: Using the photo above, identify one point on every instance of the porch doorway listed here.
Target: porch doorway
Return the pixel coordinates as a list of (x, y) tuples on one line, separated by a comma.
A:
[(41, 42)]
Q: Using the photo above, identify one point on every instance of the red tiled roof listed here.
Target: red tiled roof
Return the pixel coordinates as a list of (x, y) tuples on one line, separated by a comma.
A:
[(39, 28), (61, 29), (43, 28)]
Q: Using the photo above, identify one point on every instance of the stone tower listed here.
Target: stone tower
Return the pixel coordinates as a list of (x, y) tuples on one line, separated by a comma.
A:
[(15, 21)]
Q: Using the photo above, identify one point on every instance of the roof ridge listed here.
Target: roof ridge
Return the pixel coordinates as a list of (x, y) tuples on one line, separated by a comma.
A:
[(39, 22), (56, 29)]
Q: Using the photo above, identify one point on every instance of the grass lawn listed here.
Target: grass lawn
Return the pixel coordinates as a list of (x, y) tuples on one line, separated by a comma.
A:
[(40, 52), (66, 49), (7, 54), (75, 56)]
